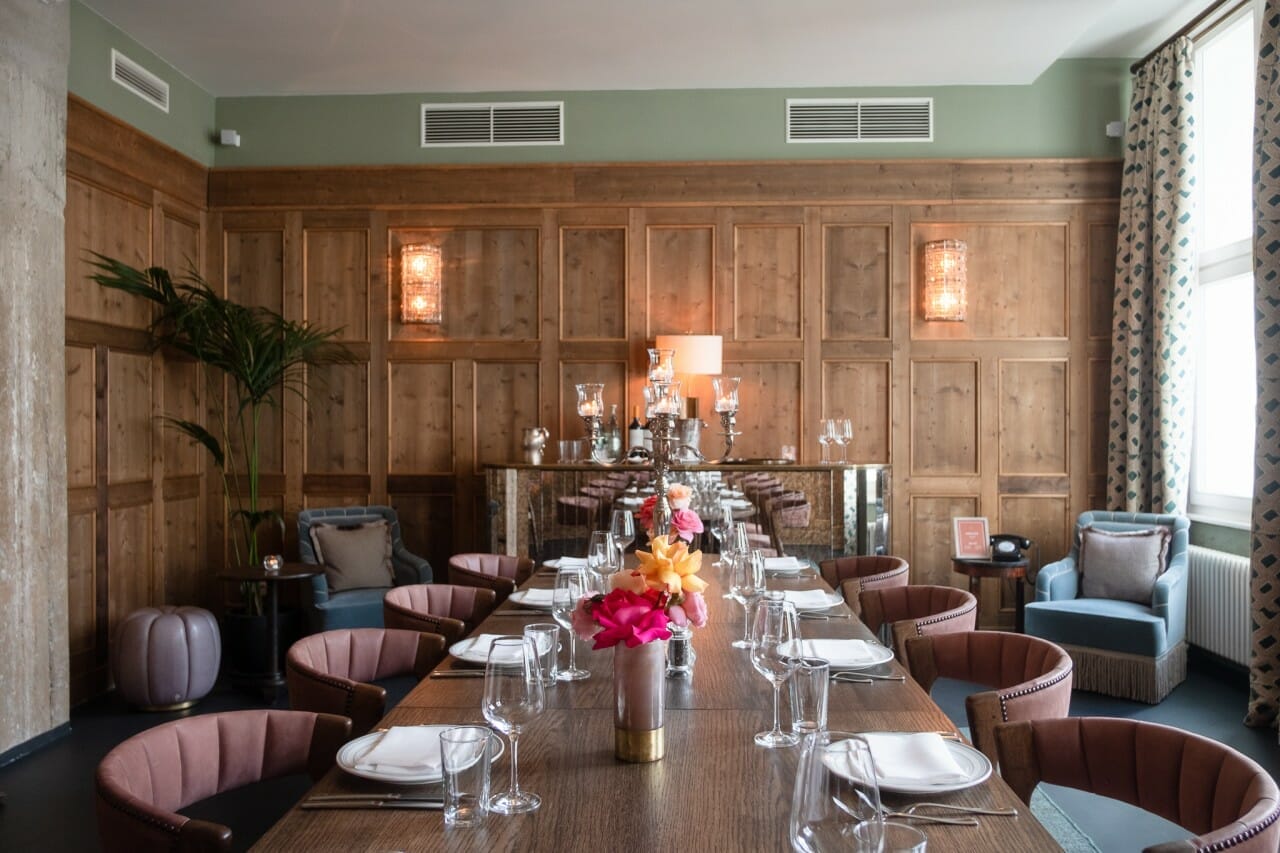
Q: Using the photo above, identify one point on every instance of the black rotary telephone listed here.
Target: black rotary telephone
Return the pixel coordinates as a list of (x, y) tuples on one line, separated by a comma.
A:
[(1008, 547)]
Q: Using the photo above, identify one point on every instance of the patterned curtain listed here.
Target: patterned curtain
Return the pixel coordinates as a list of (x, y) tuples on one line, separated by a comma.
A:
[(1149, 446), (1264, 669)]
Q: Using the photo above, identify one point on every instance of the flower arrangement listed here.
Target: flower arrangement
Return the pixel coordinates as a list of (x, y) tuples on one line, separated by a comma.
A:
[(685, 523), (644, 603)]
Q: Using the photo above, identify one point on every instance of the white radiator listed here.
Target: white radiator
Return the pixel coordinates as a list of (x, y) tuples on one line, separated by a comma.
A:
[(1218, 603)]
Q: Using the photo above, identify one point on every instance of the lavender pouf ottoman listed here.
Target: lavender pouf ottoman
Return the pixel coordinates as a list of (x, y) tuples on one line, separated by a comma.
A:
[(166, 658)]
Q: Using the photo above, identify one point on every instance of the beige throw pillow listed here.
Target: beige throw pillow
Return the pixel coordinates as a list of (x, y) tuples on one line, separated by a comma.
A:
[(1122, 565), (355, 556)]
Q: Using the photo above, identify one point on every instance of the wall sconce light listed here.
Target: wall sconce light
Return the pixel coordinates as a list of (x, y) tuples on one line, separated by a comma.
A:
[(945, 280), (420, 277), (695, 355)]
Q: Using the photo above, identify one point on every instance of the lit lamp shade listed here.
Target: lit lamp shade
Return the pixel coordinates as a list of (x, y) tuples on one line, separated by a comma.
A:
[(945, 280), (695, 354), (420, 267)]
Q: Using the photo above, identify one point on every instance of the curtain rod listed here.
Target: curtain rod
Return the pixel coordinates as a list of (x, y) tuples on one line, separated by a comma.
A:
[(1191, 25)]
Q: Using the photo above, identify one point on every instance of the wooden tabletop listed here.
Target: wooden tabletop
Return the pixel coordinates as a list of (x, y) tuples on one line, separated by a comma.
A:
[(287, 572), (714, 790)]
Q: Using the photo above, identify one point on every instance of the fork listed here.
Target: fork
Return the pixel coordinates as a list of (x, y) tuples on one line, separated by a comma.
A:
[(1010, 812), (924, 818)]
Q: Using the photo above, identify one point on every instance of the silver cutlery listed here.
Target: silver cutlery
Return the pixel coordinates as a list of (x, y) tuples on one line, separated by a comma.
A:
[(870, 676), (434, 805), (852, 679), (1010, 812), (823, 617), (949, 821), (514, 612), (458, 673), (386, 795)]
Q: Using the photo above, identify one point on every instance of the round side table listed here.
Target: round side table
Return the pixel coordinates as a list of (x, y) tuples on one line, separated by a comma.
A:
[(1015, 570), (271, 681)]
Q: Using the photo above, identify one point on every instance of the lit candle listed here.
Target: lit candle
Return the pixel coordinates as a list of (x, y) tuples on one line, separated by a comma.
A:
[(589, 409), (726, 404)]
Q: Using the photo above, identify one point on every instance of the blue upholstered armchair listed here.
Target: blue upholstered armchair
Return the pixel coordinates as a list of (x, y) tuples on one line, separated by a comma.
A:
[(354, 608), (1120, 648)]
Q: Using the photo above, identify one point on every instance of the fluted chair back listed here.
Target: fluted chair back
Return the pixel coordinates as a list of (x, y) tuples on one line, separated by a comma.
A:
[(498, 572), (330, 672), (142, 783), (1031, 677), (450, 610), (1224, 798), (914, 611), (851, 575)]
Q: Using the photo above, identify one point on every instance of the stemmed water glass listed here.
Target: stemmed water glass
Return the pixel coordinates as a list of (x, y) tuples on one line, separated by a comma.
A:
[(721, 525), (623, 527), (736, 548), (513, 696), (571, 586), (746, 585), (844, 435), (828, 434), (773, 629), (600, 558)]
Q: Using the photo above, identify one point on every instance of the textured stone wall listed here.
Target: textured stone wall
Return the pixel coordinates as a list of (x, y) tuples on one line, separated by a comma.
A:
[(34, 45)]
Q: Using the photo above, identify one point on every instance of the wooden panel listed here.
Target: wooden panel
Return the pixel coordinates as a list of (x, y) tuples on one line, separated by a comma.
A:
[(931, 537), (490, 285), (338, 419), (337, 281), (129, 416), (254, 268), (766, 279), (593, 283), (129, 560), (1017, 280), (421, 421), (1099, 414), (855, 282), (681, 280), (110, 224), (182, 381), (1033, 421), (81, 591), (181, 249), (1102, 277), (427, 525), (270, 440), (770, 400), (1044, 518), (614, 376), (859, 390), (80, 427), (186, 577), (506, 401), (944, 417)]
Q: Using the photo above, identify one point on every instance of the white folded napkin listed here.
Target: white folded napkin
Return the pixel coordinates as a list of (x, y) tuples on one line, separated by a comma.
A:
[(838, 653), (738, 503), (567, 562), (782, 564), (403, 751), (910, 759), (810, 599), (476, 649), (535, 597)]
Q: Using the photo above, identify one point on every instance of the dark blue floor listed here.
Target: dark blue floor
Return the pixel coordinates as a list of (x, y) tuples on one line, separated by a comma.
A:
[(50, 793)]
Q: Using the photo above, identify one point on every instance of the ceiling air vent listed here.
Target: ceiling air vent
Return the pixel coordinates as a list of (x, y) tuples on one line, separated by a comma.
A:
[(526, 123), (859, 119), (139, 80)]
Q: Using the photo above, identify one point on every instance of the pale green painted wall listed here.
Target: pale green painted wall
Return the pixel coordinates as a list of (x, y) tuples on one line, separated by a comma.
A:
[(188, 126), (1063, 114), (1232, 540)]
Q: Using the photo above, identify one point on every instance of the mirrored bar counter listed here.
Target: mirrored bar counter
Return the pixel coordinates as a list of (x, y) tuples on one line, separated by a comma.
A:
[(808, 511)]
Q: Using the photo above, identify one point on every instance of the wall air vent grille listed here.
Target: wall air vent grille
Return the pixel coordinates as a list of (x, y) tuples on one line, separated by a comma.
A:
[(859, 119), (528, 123), (140, 81)]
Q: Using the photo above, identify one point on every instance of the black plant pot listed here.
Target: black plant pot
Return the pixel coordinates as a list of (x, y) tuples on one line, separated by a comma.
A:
[(245, 643)]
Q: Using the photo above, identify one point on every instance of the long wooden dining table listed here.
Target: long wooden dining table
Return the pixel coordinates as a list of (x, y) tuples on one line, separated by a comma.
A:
[(714, 790)]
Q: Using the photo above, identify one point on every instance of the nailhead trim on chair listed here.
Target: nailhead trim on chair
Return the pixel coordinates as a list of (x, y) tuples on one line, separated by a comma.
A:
[(330, 680), (1246, 833), (125, 808), (950, 614), (1034, 688)]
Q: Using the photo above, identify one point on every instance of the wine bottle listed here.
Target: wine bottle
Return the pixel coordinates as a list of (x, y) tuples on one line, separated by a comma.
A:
[(635, 432)]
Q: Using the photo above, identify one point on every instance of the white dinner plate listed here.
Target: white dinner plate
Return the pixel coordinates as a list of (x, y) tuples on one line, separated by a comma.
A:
[(350, 752), (476, 649), (975, 766), (537, 599), (840, 661), (808, 600), (785, 565)]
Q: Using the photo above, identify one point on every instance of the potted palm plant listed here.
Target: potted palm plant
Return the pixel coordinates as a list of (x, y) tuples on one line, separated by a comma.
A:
[(261, 355)]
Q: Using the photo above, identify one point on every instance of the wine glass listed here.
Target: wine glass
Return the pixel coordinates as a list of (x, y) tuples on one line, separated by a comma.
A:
[(836, 794), (572, 586), (737, 548), (746, 585), (844, 435), (773, 628), (721, 524), (622, 525), (512, 697), (827, 432), (600, 558)]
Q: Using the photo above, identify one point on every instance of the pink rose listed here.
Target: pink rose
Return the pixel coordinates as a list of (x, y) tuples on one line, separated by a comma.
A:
[(695, 607), (679, 496), (625, 617), (645, 514), (583, 624), (686, 523)]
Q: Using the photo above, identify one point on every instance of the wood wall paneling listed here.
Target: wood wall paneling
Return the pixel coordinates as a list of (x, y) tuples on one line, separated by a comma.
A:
[(855, 282), (1102, 277), (186, 570), (766, 282), (614, 376), (254, 267), (80, 384), (427, 523), (180, 250), (129, 413), (593, 283), (1045, 518), (770, 405), (506, 402), (1032, 397), (129, 559), (1099, 414), (102, 221), (338, 419), (337, 281), (421, 417), (182, 400), (930, 519), (680, 260), (944, 417), (859, 390), (81, 535)]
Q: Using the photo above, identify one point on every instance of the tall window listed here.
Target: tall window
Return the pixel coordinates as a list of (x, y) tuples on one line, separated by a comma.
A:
[(1222, 434)]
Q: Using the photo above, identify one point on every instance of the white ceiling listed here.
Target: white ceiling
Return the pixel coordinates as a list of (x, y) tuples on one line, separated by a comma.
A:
[(275, 47)]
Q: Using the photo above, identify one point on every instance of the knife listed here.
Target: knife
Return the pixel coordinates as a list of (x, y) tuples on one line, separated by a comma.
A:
[(404, 798), (513, 612), (434, 805), (458, 673)]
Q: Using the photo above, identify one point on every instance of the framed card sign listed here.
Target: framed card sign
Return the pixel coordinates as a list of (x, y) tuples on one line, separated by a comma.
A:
[(970, 539)]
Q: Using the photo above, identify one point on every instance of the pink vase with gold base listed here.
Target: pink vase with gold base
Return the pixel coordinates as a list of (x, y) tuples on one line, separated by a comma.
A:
[(639, 682)]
